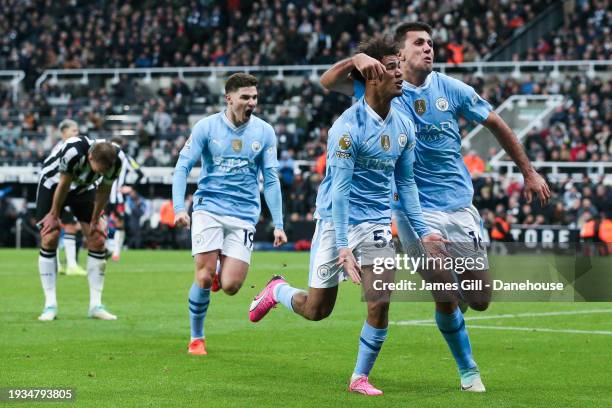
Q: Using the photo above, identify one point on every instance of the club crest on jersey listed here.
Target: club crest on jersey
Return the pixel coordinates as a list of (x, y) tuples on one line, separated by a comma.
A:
[(442, 104), (385, 142), (256, 146), (419, 106), (345, 142), (402, 139), (237, 145)]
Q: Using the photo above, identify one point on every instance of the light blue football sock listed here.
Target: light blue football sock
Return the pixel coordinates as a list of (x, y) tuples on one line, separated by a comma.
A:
[(283, 293), (370, 343), (452, 327), (198, 305)]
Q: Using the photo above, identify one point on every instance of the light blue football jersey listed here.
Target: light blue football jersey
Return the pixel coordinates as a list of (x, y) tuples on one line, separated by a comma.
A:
[(360, 140), (442, 178), (232, 158)]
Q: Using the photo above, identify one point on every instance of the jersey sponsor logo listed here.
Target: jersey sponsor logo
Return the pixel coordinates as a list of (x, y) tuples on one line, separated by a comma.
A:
[(345, 142), (237, 145), (343, 155), (402, 139), (256, 146), (442, 104), (385, 142), (419, 106)]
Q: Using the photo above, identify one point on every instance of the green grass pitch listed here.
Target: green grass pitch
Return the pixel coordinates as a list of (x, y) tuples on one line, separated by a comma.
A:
[(141, 359)]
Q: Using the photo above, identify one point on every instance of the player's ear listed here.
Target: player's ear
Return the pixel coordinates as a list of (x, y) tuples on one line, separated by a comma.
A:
[(228, 98)]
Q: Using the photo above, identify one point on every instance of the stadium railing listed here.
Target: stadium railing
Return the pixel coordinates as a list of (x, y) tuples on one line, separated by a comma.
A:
[(522, 113), (515, 68), (15, 78)]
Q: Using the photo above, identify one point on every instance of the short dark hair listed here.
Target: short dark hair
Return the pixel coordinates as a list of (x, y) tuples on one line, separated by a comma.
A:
[(403, 28), (105, 154), (239, 80), (377, 48)]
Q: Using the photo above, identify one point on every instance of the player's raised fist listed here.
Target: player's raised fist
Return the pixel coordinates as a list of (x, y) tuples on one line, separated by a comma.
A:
[(182, 219), (369, 67)]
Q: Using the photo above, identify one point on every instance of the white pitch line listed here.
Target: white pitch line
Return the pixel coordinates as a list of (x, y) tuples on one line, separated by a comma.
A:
[(507, 316), (528, 329)]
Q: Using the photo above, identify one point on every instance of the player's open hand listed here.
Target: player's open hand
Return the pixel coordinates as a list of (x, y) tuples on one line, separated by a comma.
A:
[(435, 245), (534, 183), (280, 237), (347, 261), (182, 220), (369, 67), (48, 224)]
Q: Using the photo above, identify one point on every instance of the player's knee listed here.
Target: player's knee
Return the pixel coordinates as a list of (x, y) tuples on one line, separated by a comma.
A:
[(231, 288), (319, 313), (96, 242), (203, 278), (378, 308), (479, 306), (50, 240)]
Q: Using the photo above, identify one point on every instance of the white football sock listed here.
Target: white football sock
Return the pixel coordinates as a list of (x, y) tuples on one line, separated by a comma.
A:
[(119, 238), (96, 264), (70, 248), (47, 267)]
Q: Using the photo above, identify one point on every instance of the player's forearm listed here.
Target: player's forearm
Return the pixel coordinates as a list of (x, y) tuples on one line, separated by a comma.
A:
[(509, 142), (273, 196), (60, 194), (179, 186), (409, 198), (337, 77), (102, 193), (341, 189)]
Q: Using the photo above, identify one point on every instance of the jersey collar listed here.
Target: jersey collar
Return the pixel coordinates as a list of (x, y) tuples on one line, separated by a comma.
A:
[(376, 116), (231, 125), (410, 87)]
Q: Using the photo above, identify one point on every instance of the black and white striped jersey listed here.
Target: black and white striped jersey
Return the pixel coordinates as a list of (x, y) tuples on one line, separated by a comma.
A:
[(129, 166), (70, 157)]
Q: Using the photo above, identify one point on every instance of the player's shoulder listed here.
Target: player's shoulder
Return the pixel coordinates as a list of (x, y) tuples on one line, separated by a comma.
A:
[(259, 124), (203, 125), (448, 82), (403, 120), (80, 143), (350, 120)]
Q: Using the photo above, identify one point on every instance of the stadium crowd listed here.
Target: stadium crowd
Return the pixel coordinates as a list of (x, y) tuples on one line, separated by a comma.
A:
[(585, 35), (578, 131), (125, 33)]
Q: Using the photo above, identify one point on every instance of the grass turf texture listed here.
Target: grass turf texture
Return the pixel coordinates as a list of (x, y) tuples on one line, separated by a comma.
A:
[(141, 359)]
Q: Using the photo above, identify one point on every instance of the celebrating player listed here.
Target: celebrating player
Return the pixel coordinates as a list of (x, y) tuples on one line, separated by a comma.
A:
[(368, 144), (435, 102), (69, 178), (234, 146)]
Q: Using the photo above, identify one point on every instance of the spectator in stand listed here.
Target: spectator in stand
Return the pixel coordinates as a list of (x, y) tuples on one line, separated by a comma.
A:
[(474, 163), (166, 225)]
